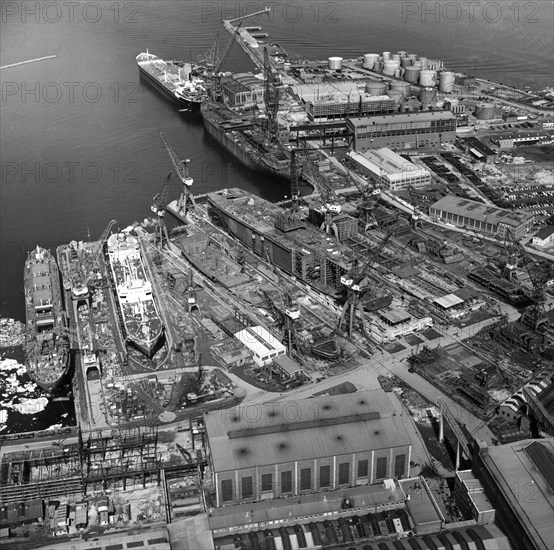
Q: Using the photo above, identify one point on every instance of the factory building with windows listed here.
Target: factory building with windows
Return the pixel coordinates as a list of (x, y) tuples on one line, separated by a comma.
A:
[(402, 130), (483, 218), (391, 170), (283, 449)]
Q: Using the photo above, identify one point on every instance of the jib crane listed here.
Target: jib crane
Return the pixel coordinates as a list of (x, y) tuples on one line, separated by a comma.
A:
[(541, 275), (89, 265), (286, 317), (508, 270), (266, 9), (186, 199), (217, 60), (331, 206), (416, 218), (354, 282), (159, 202), (370, 196), (271, 100)]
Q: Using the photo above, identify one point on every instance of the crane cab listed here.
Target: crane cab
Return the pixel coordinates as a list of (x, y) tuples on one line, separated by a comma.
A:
[(293, 312), (346, 281)]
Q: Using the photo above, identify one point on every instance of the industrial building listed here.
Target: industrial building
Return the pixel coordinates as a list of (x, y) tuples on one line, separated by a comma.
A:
[(402, 130), (545, 236), (482, 218), (243, 90), (518, 481), (391, 170), (513, 139), (262, 344), (293, 448), (480, 151), (329, 101)]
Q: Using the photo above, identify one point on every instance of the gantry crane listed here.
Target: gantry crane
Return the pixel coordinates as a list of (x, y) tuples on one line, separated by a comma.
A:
[(186, 200), (159, 202), (271, 100), (356, 287)]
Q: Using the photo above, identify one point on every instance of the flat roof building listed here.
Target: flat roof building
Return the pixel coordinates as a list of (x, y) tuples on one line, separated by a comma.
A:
[(518, 479), (263, 345), (402, 130), (390, 169), (482, 218), (545, 236), (283, 449), (511, 139)]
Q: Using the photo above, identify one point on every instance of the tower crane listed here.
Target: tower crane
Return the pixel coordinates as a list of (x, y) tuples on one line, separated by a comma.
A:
[(159, 202), (416, 218), (508, 270), (356, 287), (186, 199), (271, 100)]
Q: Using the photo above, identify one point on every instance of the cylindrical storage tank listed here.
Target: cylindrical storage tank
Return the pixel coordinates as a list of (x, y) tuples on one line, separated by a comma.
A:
[(427, 77), (485, 111), (397, 95), (376, 88), (369, 60), (396, 57), (417, 65), (405, 62), (403, 87), (397, 73), (389, 67), (411, 74), (402, 54), (412, 57), (424, 62), (428, 97), (378, 66), (446, 82), (386, 56), (335, 63)]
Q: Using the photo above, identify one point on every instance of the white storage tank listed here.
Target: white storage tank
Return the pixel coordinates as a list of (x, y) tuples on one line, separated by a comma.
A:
[(411, 74), (485, 111), (378, 66), (417, 65), (403, 87), (446, 82), (369, 60), (428, 97), (402, 53), (396, 57), (335, 63), (376, 88), (427, 77), (424, 62), (389, 68), (386, 56)]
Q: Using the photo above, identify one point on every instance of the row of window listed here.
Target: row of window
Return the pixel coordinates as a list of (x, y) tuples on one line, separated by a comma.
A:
[(380, 132), (325, 481)]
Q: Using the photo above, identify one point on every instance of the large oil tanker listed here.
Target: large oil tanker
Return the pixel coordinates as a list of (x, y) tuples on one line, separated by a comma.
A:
[(244, 139), (46, 343), (174, 79), (142, 323), (292, 243)]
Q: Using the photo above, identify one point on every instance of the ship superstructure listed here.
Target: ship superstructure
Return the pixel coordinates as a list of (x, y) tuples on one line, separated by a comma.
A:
[(46, 343), (174, 79), (141, 320), (70, 259)]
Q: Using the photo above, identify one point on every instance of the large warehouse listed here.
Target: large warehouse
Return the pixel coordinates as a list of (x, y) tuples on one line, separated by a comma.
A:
[(391, 170), (403, 130), (483, 218), (292, 448)]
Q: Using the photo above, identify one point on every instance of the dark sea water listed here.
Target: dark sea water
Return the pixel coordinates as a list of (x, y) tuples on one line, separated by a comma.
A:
[(79, 134)]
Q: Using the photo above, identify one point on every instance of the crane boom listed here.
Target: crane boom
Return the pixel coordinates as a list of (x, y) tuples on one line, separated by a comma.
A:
[(88, 267), (267, 9), (180, 166)]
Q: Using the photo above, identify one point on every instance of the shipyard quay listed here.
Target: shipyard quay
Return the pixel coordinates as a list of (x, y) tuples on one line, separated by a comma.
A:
[(276, 284)]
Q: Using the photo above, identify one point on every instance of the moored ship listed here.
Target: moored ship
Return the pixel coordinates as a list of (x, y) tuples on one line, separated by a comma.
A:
[(46, 344), (142, 323), (174, 79), (245, 141)]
